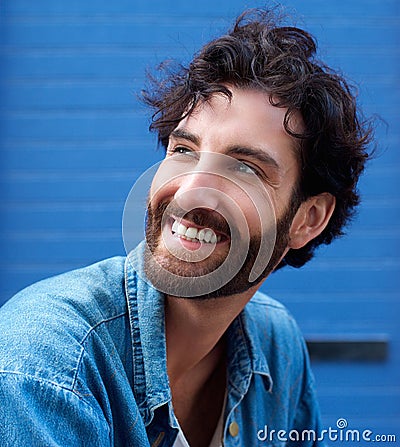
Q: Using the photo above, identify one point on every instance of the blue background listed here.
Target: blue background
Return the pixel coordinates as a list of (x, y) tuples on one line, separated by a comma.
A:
[(73, 139)]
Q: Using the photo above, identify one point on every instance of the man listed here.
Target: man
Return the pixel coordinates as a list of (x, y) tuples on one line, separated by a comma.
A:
[(174, 345)]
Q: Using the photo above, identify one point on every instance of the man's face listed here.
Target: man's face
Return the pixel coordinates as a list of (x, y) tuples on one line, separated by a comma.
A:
[(222, 201)]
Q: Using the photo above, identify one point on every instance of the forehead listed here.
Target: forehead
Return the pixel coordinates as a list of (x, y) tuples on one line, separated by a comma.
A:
[(247, 119)]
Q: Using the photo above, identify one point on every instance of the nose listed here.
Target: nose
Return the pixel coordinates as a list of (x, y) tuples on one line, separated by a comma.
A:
[(199, 189)]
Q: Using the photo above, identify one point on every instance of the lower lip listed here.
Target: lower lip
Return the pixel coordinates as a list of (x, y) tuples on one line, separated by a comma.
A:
[(190, 245)]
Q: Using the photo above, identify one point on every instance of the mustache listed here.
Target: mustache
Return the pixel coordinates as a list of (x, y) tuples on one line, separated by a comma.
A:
[(201, 217)]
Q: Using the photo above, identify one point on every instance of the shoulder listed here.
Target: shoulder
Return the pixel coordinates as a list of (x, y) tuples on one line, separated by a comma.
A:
[(91, 292), (266, 311), (263, 300), (43, 327), (272, 326)]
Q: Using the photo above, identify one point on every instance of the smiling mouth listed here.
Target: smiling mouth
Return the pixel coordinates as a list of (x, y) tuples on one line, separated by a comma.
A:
[(195, 234)]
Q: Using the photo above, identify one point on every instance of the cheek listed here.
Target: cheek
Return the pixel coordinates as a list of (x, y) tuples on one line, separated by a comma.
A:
[(163, 179), (161, 189), (258, 210)]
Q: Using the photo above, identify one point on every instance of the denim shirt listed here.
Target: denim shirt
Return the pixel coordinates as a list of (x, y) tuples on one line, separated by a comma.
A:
[(83, 363)]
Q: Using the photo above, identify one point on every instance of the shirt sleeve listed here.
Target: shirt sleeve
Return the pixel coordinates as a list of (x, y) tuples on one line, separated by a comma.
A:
[(36, 412)]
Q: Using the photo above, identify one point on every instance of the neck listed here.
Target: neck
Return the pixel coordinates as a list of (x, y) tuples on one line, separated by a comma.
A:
[(195, 329)]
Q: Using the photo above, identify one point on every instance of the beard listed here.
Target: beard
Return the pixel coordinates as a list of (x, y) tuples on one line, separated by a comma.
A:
[(181, 275)]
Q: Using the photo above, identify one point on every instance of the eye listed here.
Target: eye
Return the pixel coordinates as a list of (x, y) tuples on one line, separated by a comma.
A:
[(178, 150), (182, 154), (181, 150), (246, 168)]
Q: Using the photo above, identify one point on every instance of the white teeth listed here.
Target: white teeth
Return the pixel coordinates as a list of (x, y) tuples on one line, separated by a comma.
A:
[(181, 230), (200, 234), (175, 226), (191, 233), (208, 235)]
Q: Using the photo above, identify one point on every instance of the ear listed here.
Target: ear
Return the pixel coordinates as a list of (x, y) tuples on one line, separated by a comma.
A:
[(311, 219)]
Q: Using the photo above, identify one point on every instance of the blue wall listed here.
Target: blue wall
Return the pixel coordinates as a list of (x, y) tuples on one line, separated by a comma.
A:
[(73, 138)]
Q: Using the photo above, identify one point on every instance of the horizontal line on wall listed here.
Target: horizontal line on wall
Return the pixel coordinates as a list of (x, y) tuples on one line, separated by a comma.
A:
[(117, 49), (385, 390), (379, 202), (328, 19), (336, 297), (92, 112), (382, 170), (78, 79), (110, 19), (171, 46), (46, 268), (375, 232), (56, 175), (67, 205), (72, 235), (87, 144), (342, 293), (126, 75), (362, 264)]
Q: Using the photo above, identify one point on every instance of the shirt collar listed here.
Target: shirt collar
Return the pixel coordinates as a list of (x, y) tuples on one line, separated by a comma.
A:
[(246, 354), (146, 314)]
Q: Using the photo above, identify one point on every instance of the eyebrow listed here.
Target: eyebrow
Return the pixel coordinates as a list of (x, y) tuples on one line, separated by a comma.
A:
[(253, 152), (246, 151), (184, 134)]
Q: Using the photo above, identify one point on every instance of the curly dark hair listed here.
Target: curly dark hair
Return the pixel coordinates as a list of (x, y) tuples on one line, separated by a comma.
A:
[(260, 53)]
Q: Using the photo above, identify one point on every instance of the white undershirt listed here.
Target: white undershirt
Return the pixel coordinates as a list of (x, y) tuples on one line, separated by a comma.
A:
[(216, 440)]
